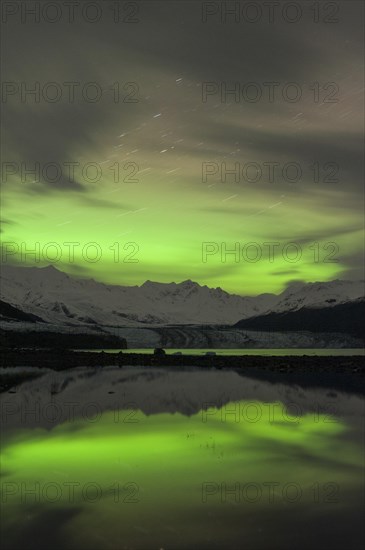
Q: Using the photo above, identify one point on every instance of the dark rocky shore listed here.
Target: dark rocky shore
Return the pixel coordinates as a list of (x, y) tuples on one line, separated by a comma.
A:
[(339, 372)]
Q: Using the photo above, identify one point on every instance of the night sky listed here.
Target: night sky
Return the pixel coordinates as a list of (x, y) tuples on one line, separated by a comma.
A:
[(172, 132)]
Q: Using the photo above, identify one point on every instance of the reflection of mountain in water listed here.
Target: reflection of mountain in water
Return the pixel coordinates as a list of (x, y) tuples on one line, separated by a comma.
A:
[(160, 391), (230, 463)]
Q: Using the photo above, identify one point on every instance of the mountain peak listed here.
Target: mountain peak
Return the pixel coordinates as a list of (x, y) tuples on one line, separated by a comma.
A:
[(186, 284), (51, 268), (148, 283), (189, 283)]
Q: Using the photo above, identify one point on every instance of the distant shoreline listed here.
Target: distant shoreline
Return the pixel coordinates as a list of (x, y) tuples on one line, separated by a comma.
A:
[(340, 372)]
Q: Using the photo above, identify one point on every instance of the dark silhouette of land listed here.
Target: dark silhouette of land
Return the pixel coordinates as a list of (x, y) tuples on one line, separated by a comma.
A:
[(343, 318), (339, 372)]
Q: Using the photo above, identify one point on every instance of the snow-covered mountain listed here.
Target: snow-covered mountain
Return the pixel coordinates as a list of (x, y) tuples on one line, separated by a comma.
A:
[(319, 295), (56, 297)]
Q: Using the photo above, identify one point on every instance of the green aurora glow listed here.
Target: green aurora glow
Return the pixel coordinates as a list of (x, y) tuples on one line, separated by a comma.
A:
[(169, 133), (169, 457)]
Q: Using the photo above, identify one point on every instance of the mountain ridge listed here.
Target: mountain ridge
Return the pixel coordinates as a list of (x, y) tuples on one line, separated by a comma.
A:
[(57, 297), (344, 318)]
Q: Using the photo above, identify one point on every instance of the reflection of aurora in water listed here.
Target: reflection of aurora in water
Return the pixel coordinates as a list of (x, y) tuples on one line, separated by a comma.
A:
[(129, 480)]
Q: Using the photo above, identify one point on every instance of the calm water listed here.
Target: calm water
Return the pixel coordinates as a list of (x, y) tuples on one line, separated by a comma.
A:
[(136, 459), (276, 351)]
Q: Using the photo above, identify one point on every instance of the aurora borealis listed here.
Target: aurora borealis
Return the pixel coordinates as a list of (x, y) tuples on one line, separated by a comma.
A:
[(167, 130), (147, 480)]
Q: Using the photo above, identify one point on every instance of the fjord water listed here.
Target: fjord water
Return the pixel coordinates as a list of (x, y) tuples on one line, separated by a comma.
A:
[(154, 459)]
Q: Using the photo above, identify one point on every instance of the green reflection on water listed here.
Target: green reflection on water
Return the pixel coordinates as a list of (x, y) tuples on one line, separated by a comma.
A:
[(143, 479)]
